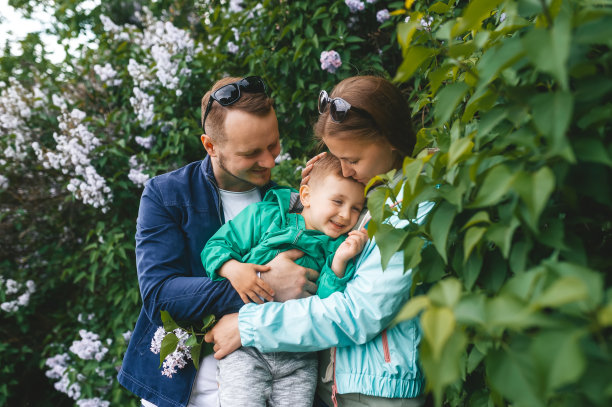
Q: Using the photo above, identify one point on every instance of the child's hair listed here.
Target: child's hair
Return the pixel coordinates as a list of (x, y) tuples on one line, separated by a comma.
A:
[(328, 165)]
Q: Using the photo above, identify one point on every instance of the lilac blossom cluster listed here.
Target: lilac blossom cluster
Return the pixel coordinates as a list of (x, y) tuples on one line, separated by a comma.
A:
[(16, 104), (89, 347), (69, 380), (137, 174), (20, 292), (382, 15), (162, 42), (74, 145), (4, 182), (355, 5), (177, 359), (107, 74), (330, 61)]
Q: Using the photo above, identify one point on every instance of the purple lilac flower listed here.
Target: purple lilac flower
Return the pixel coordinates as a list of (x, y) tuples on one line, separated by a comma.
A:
[(382, 15), (330, 61), (355, 5)]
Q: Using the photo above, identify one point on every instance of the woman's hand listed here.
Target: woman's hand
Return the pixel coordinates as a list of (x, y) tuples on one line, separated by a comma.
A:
[(308, 168), (225, 336)]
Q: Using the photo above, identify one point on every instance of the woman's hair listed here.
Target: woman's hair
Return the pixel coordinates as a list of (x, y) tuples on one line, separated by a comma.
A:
[(389, 111), (328, 165), (258, 104)]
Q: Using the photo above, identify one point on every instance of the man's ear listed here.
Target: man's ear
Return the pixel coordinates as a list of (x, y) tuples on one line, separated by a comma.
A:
[(305, 195), (209, 145)]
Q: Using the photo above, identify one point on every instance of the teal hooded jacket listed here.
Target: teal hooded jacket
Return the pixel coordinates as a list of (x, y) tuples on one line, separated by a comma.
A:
[(262, 230)]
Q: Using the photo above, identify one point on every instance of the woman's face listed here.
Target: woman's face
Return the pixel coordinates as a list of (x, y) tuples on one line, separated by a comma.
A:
[(362, 159)]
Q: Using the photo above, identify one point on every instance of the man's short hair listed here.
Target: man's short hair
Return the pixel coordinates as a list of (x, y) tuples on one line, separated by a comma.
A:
[(258, 104), (328, 165)]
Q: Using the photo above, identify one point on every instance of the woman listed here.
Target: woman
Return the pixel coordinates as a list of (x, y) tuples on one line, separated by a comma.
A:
[(366, 124)]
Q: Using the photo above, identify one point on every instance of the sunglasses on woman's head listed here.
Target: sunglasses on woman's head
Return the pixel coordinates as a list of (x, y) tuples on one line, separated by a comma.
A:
[(338, 108), (229, 94)]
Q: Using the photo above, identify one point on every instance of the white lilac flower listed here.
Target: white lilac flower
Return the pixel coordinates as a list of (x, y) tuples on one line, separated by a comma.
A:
[(235, 6), (371, 1), (107, 74), (282, 157), (74, 145), (12, 286), (57, 365), (502, 17), (179, 357), (4, 182), (9, 306), (89, 347), (137, 174), (232, 48), (143, 104), (426, 23), (330, 61), (382, 15), (355, 5), (127, 335), (145, 142), (95, 402)]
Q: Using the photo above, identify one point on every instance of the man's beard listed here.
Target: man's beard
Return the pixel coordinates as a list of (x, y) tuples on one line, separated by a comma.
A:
[(227, 171)]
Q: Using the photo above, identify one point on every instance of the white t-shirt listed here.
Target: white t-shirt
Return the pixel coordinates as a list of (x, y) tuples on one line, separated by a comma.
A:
[(204, 391)]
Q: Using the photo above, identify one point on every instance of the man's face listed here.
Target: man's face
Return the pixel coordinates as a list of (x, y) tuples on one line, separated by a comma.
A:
[(245, 157), (332, 205)]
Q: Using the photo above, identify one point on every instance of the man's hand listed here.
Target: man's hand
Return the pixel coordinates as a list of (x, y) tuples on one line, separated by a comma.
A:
[(225, 336), (243, 277), (289, 280)]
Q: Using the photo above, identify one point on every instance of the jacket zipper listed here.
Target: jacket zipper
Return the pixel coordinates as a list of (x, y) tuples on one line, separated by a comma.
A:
[(385, 344)]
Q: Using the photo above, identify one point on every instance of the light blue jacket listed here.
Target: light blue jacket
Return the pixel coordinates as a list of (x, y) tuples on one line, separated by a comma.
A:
[(370, 359)]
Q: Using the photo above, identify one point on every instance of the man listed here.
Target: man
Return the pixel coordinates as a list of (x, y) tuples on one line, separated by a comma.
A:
[(179, 211)]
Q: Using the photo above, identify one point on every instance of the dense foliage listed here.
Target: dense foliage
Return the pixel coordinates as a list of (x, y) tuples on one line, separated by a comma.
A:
[(514, 264), (514, 297)]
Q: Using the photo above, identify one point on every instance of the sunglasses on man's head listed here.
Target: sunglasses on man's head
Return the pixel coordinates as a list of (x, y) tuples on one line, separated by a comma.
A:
[(338, 108), (229, 94)]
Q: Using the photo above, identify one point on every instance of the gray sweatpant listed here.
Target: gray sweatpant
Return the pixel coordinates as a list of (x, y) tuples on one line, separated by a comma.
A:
[(249, 378)]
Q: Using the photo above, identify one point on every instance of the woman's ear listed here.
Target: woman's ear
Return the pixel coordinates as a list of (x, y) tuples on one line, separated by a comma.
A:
[(305, 195), (208, 144)]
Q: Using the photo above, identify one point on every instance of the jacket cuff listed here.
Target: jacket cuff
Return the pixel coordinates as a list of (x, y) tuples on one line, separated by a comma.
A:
[(247, 330)]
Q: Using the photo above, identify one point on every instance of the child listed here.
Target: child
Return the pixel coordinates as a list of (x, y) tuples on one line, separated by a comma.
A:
[(332, 205)]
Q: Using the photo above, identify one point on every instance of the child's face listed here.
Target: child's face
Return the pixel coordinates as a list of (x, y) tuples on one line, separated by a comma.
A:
[(334, 204)]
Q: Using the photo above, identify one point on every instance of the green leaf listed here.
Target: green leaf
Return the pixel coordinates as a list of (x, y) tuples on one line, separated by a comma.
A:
[(563, 291), (438, 325), (439, 8), (447, 100), (473, 15), (412, 171), (168, 346), (207, 322), (511, 373), (558, 358), (192, 340), (479, 217), (471, 271), (169, 324), (411, 309), (496, 184), (446, 293), (412, 251), (535, 190), (604, 315), (195, 354), (552, 114), (592, 149), (389, 241), (414, 57), (501, 235), (459, 150), (471, 239), (471, 310), (497, 59), (549, 49), (439, 227)]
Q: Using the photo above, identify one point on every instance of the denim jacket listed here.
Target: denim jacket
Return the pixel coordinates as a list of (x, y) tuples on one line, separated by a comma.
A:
[(179, 211)]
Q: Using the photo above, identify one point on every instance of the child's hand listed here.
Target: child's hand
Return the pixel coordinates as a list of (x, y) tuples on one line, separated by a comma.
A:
[(243, 277), (352, 246)]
